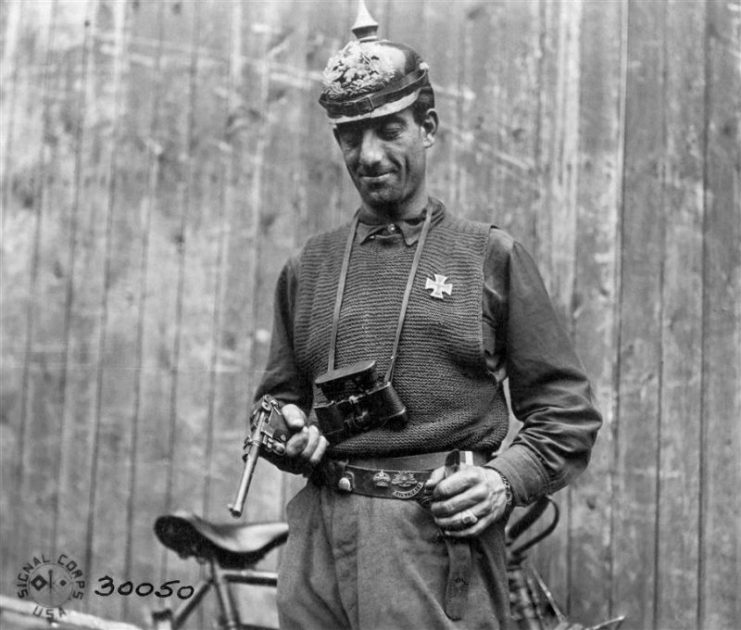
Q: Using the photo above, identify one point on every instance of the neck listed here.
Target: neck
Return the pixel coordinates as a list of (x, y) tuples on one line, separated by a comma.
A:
[(406, 209)]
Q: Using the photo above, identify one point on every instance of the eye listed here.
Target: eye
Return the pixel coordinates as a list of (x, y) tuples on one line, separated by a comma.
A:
[(390, 131), (349, 138)]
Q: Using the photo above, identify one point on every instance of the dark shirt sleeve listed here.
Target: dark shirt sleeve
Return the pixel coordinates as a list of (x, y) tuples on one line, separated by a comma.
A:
[(549, 391), (282, 378)]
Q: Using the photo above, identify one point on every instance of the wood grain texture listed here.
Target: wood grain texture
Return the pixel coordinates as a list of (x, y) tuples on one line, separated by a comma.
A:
[(639, 389), (116, 374), (595, 297), (161, 160), (228, 420), (84, 290), (35, 352), (440, 43), (164, 41), (720, 525), (148, 24), (681, 344)]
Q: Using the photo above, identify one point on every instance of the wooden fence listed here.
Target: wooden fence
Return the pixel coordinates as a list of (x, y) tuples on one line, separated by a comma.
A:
[(160, 160)]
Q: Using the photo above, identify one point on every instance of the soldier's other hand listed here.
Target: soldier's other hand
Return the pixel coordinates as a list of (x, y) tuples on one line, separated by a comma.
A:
[(306, 446), (467, 501)]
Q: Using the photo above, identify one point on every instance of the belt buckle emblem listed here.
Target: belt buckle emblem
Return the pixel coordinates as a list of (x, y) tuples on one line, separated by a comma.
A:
[(381, 479), (404, 479), (410, 486)]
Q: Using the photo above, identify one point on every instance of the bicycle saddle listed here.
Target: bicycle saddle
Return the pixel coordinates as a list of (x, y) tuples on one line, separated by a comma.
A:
[(232, 545)]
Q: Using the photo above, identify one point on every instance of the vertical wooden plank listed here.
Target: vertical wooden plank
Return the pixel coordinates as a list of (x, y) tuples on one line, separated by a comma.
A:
[(183, 429), (515, 74), (720, 568), (681, 345), (187, 397), (12, 28), (476, 135), (635, 498), (35, 490), (444, 26), (78, 79), (595, 298), (228, 419), (106, 427), (13, 241), (84, 290), (217, 93), (555, 244), (148, 23)]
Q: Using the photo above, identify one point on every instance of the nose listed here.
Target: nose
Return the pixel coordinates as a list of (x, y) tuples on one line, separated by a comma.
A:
[(371, 151)]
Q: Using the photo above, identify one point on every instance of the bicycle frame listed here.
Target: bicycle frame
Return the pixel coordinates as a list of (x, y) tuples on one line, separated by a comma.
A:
[(220, 580)]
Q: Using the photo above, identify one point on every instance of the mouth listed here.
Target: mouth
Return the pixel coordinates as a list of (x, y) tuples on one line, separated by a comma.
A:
[(377, 178)]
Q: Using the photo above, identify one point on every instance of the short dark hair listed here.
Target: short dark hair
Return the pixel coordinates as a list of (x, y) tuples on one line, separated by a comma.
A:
[(425, 102)]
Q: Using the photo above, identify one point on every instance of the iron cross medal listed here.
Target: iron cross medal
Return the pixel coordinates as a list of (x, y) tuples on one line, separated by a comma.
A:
[(439, 286)]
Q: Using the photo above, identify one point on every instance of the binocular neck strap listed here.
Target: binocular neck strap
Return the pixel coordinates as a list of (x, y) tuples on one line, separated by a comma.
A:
[(404, 302)]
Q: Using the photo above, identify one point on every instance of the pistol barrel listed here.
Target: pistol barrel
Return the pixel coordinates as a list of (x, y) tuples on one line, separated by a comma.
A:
[(236, 507)]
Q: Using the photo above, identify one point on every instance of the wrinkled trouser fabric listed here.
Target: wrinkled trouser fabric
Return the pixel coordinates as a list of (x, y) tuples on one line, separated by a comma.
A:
[(363, 563)]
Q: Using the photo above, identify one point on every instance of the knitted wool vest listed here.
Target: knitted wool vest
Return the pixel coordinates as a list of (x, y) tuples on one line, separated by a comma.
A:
[(440, 373)]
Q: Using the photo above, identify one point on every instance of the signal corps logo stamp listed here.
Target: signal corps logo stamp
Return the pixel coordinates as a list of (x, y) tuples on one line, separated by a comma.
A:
[(50, 583)]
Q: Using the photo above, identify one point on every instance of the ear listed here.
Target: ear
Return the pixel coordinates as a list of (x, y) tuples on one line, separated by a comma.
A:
[(429, 127)]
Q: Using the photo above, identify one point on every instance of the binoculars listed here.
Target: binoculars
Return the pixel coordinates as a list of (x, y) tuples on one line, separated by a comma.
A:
[(357, 402)]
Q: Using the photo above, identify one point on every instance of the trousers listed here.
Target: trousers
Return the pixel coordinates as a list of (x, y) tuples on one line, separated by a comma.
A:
[(365, 563)]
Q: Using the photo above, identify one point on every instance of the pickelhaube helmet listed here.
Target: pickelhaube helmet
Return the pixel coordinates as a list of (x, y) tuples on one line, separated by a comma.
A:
[(370, 78)]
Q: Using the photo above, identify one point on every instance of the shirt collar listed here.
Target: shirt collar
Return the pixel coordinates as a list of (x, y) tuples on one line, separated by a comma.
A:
[(409, 228)]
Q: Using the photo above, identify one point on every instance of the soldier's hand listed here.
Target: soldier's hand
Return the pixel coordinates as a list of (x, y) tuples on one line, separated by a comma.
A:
[(468, 501), (306, 445)]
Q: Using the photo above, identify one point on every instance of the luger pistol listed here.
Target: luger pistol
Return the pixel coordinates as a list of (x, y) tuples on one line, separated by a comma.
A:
[(268, 435)]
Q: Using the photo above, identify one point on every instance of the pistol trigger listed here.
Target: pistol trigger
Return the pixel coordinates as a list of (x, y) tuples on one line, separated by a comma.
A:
[(278, 448)]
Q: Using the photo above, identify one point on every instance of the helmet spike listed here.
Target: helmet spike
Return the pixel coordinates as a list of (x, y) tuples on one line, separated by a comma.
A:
[(365, 28)]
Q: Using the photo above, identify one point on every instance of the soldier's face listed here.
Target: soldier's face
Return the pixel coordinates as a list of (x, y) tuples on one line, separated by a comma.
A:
[(386, 156)]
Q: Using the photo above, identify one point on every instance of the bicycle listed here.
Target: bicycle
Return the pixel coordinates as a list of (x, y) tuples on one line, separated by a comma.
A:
[(232, 551)]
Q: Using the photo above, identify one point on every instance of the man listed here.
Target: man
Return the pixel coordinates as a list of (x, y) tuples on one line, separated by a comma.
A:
[(384, 536)]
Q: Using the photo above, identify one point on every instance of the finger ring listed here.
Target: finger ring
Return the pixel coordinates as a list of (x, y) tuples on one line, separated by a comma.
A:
[(469, 518)]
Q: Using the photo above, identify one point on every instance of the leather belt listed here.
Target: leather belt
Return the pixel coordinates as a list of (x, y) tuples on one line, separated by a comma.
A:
[(384, 477)]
